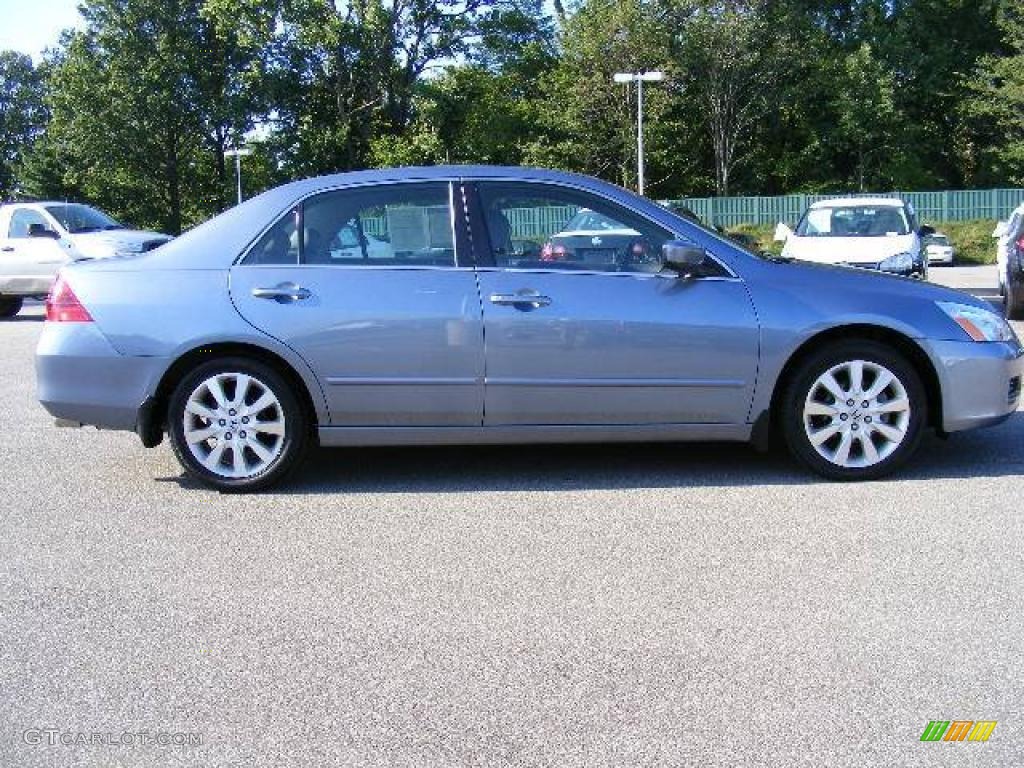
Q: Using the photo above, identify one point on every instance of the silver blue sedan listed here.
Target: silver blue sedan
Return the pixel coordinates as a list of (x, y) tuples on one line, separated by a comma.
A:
[(419, 306)]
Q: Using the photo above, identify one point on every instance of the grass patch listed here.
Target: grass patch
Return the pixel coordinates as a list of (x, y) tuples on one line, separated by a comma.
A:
[(972, 240)]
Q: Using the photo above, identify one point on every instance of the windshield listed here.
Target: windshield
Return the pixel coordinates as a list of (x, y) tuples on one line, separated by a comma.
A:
[(853, 221), (75, 218), (589, 221), (939, 240)]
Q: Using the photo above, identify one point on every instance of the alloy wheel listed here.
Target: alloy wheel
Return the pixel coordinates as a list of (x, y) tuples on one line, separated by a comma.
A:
[(856, 414), (234, 425)]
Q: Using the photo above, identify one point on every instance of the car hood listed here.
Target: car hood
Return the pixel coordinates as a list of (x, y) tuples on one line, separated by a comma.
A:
[(116, 241), (847, 250)]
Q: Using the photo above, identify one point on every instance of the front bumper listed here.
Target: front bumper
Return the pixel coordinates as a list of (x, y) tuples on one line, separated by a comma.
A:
[(81, 378), (919, 268), (980, 382)]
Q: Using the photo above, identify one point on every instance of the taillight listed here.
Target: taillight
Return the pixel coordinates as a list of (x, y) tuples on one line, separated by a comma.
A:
[(62, 306), (1020, 244)]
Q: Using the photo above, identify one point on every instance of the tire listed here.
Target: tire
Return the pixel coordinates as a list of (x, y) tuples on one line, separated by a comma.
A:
[(876, 441), (251, 459), (10, 305), (1013, 303)]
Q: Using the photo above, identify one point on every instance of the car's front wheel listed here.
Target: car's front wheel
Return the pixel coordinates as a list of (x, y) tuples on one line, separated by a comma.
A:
[(236, 425), (854, 411), (10, 305)]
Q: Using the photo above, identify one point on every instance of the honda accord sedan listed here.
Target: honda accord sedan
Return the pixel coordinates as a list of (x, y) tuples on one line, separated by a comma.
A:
[(251, 337)]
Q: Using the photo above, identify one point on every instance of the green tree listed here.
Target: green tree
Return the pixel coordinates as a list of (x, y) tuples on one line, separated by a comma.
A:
[(993, 138), (144, 100), (729, 68), (867, 119), (590, 121), (22, 114)]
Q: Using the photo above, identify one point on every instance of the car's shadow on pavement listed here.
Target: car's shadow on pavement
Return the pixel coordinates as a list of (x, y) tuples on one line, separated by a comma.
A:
[(24, 319), (994, 452)]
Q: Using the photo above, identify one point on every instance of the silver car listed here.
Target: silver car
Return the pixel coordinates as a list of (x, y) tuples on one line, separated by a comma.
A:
[(254, 336)]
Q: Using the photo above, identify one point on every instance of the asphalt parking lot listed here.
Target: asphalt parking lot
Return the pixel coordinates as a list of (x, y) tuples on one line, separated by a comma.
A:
[(526, 606)]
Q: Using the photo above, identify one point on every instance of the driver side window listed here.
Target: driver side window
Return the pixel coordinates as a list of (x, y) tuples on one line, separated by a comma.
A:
[(540, 226), (22, 221)]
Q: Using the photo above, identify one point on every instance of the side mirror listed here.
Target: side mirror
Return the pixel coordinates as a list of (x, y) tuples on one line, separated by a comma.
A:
[(782, 233), (925, 231), (1000, 229), (685, 259), (40, 230)]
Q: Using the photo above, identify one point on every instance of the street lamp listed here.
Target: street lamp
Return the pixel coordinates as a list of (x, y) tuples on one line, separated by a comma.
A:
[(238, 153), (639, 78)]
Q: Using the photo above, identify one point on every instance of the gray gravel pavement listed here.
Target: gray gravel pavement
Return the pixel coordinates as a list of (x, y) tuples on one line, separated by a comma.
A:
[(527, 606)]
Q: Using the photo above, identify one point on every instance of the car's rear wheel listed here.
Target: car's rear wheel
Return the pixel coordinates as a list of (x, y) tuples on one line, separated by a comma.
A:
[(10, 305), (236, 425), (854, 411)]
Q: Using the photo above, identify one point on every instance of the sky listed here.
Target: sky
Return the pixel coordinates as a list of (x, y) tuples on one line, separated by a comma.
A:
[(30, 26)]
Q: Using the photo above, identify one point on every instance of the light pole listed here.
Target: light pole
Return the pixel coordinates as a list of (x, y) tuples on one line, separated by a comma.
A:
[(639, 78), (238, 153)]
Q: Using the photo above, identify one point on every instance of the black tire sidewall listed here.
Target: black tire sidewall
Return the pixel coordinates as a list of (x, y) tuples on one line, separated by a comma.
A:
[(10, 305), (808, 372), (296, 436), (1012, 308)]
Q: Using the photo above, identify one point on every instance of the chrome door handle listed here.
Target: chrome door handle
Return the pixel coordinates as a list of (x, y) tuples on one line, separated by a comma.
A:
[(7, 248), (282, 293), (524, 298)]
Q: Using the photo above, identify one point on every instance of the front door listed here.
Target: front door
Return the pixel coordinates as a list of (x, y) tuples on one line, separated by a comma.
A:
[(370, 286), (583, 327), (29, 263)]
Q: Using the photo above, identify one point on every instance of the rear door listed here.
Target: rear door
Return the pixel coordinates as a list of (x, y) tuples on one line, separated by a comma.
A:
[(372, 286), (583, 333)]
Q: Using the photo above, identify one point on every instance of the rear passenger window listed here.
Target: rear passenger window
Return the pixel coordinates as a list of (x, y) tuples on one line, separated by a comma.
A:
[(398, 225), (392, 225)]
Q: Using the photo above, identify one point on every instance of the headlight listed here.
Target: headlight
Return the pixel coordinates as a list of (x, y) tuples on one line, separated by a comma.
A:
[(901, 262), (980, 324)]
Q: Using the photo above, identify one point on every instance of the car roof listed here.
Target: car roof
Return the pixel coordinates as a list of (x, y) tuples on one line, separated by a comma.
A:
[(40, 203), (879, 202), (439, 173)]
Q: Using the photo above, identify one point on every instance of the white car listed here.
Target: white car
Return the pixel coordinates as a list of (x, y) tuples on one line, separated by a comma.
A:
[(939, 250), (347, 244), (37, 238), (869, 232), (1002, 235)]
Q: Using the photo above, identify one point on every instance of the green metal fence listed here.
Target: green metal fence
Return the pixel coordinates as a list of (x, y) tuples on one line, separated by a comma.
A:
[(947, 205)]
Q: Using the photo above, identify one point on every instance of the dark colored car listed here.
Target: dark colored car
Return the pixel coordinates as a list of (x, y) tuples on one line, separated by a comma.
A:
[(590, 239), (1014, 306)]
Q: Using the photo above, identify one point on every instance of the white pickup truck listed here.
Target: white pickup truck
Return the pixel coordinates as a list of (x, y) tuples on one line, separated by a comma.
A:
[(37, 238)]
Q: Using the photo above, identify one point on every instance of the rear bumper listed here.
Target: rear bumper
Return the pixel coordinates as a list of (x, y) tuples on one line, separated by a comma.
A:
[(980, 382), (80, 377)]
